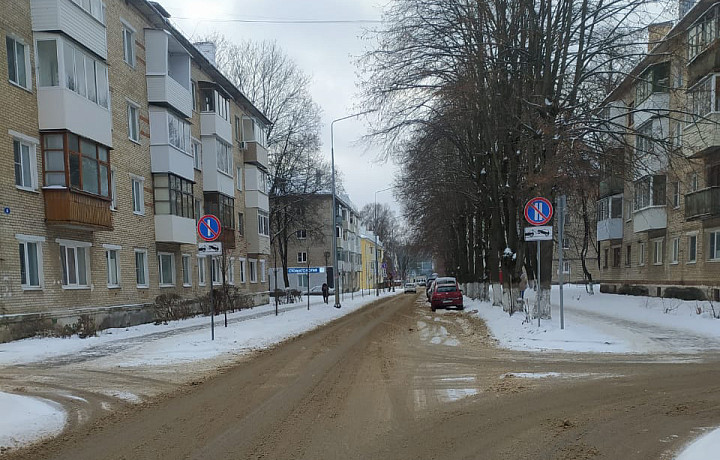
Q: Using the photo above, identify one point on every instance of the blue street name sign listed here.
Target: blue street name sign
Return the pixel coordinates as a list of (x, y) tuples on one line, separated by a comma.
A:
[(303, 270)]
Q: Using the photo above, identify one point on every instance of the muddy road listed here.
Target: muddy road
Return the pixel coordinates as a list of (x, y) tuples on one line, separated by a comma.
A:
[(390, 381)]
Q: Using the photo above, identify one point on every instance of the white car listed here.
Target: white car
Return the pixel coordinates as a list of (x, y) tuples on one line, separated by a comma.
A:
[(410, 287), (317, 290)]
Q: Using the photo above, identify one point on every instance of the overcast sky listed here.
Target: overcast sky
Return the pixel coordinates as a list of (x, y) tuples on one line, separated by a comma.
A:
[(326, 52)]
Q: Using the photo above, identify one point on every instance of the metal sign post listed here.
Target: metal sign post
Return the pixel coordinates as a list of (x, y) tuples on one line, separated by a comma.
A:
[(538, 212), (209, 229), (561, 236)]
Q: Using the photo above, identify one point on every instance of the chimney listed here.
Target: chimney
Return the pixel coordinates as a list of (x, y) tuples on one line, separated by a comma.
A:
[(208, 49), (684, 6), (656, 33)]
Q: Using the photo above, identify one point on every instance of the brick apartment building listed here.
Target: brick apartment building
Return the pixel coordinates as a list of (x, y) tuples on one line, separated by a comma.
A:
[(118, 135), (659, 225)]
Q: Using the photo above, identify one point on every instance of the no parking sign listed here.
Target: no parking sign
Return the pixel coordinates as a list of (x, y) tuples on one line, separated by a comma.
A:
[(538, 211)]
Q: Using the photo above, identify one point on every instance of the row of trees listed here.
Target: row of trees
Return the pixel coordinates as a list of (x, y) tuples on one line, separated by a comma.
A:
[(487, 104)]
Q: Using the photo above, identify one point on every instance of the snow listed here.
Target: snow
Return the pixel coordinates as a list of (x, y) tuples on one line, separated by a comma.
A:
[(665, 329)]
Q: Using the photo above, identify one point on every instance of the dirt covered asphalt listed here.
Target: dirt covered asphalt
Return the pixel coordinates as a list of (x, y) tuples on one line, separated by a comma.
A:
[(390, 381)]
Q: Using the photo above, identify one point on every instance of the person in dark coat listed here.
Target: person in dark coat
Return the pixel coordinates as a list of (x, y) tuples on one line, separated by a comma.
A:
[(325, 292)]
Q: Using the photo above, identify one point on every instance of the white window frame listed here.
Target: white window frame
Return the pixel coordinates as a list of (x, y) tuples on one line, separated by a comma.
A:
[(146, 270), (224, 150), (161, 281), (115, 249), (641, 253), (674, 251), (27, 84), (38, 242), (658, 251), (128, 38), (243, 265), (252, 267), (216, 271), (138, 202), (263, 271), (75, 245), (692, 247), (301, 234), (133, 115), (230, 273), (263, 223), (301, 257), (566, 267), (202, 263), (187, 270), (196, 149), (714, 245), (31, 143), (239, 179), (113, 188), (303, 280)]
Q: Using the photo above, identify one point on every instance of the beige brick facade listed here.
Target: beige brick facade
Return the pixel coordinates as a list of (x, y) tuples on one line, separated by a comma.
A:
[(24, 222)]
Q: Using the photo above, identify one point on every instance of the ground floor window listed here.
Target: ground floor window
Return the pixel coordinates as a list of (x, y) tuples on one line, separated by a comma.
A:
[(31, 273), (75, 262), (692, 248), (187, 275), (141, 268), (113, 267), (166, 268), (202, 261), (253, 270), (715, 245), (242, 270)]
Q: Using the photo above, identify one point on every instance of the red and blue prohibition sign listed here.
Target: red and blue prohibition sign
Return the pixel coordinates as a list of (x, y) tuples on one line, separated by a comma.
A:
[(538, 211), (209, 227)]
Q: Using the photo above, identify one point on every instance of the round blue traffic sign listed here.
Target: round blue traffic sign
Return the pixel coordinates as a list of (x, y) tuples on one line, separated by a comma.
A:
[(538, 211), (209, 227)]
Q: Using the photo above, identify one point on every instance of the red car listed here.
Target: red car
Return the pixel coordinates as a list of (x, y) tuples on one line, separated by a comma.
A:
[(446, 293)]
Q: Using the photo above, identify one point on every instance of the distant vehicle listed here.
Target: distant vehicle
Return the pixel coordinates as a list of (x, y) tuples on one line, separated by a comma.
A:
[(446, 293), (421, 283), (317, 290), (430, 281), (410, 287)]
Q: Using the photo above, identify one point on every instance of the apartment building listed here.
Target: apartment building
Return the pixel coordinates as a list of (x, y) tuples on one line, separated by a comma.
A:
[(658, 226), (311, 246), (122, 136), (371, 252)]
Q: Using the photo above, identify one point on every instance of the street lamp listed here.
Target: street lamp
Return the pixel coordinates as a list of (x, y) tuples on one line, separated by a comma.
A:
[(334, 204), (377, 287)]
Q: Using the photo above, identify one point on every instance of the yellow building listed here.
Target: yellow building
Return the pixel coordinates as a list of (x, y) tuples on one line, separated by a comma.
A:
[(369, 277)]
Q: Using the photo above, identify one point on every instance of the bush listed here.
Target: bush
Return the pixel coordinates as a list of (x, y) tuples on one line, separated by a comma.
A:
[(684, 293), (227, 299), (84, 327), (627, 289), (171, 307)]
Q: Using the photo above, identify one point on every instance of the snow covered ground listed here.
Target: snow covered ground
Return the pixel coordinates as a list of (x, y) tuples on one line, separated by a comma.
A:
[(602, 323)]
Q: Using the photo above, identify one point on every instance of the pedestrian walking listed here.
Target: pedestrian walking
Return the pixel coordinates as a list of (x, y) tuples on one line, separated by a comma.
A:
[(522, 285), (325, 292)]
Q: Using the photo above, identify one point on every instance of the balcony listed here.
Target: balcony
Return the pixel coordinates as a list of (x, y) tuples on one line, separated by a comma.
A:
[(650, 218), (166, 154), (76, 210), (227, 238), (256, 153), (655, 104), (168, 72), (702, 137), (610, 229), (175, 229), (611, 186), (62, 109), (702, 204), (85, 27), (256, 199), (212, 124)]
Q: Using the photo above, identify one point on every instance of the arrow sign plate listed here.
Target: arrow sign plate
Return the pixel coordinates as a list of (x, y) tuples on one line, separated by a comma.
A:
[(542, 233)]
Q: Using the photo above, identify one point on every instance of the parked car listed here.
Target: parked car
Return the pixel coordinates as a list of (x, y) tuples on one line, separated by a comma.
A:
[(446, 293), (410, 287), (430, 281), (317, 290)]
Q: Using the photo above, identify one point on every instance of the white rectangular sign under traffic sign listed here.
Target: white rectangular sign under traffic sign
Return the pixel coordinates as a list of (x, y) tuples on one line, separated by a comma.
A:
[(540, 233), (209, 249)]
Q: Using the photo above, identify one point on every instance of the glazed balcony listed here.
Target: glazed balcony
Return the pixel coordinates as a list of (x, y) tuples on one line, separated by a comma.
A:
[(168, 72), (611, 186), (702, 136), (84, 25), (256, 153), (650, 218), (702, 204), (76, 210)]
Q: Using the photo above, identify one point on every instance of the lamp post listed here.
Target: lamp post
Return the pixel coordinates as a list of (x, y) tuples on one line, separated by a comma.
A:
[(377, 287), (334, 204)]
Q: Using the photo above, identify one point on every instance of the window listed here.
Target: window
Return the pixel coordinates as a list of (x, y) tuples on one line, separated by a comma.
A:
[(606, 258), (303, 281), (253, 270), (676, 194), (242, 270), (641, 254), (649, 191), (193, 93), (644, 140), (18, 59), (96, 8), (113, 266), (133, 122), (616, 257), (201, 270), (173, 195), (263, 223), (198, 209), (138, 194), (302, 257), (263, 271), (674, 250), (714, 253), (301, 234), (207, 99), (166, 268), (88, 163), (264, 183), (692, 249), (75, 262), (238, 179), (31, 266), (197, 154), (656, 79), (179, 133), (128, 35), (113, 189), (221, 206), (693, 182), (238, 129), (657, 252), (702, 99), (82, 73), (703, 32), (186, 273), (224, 158), (241, 224), (25, 170), (141, 268), (566, 243), (337, 232), (566, 267), (230, 272), (628, 255), (215, 271)]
